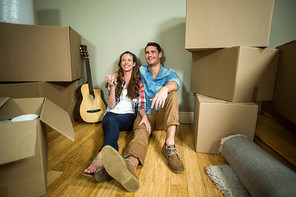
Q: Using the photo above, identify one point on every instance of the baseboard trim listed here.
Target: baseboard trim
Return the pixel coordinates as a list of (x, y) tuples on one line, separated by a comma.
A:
[(186, 117)]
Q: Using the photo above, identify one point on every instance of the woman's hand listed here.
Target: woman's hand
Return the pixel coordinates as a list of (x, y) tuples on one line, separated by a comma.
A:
[(146, 122), (111, 79)]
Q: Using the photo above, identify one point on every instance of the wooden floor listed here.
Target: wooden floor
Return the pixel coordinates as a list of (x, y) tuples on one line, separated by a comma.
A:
[(277, 137), (67, 159)]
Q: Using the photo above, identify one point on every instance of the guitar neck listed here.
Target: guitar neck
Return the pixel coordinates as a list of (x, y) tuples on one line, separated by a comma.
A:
[(89, 81)]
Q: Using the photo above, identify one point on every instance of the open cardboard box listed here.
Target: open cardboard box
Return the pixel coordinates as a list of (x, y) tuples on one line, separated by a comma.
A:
[(62, 94), (23, 145), (215, 119), (236, 74)]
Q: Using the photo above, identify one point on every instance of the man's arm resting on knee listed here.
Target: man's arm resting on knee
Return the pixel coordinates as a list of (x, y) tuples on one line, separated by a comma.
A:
[(171, 86), (162, 94)]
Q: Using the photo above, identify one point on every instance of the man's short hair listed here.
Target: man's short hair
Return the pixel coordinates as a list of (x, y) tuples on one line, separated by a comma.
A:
[(154, 44)]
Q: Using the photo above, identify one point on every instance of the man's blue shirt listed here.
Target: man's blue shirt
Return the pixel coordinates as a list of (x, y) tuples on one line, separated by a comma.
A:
[(152, 86)]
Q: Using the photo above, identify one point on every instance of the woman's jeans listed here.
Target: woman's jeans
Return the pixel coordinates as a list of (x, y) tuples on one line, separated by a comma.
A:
[(114, 123)]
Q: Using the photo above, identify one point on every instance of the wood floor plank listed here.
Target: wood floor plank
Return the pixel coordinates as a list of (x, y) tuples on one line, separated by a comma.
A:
[(60, 148), (145, 190), (276, 136), (52, 175), (194, 177), (179, 191)]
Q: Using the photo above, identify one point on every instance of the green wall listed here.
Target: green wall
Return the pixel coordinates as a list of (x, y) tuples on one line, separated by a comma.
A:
[(110, 27), (283, 27)]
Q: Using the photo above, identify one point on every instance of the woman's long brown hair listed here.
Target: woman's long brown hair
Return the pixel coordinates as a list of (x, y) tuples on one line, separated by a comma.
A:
[(133, 86)]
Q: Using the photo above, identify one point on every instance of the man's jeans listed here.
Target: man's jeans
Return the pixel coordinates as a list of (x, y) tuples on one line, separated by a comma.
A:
[(114, 123), (162, 119)]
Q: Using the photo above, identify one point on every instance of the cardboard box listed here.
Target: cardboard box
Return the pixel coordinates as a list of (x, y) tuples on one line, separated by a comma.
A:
[(23, 145), (236, 74), (285, 89), (39, 53), (62, 94), (215, 119), (227, 23)]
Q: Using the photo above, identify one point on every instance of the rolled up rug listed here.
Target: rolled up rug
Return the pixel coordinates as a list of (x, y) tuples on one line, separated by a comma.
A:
[(259, 172)]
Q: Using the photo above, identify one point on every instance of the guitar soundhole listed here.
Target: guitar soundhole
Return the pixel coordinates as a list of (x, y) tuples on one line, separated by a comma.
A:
[(93, 111), (91, 97)]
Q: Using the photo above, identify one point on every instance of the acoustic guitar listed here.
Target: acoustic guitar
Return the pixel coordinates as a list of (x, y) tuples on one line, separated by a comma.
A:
[(92, 107)]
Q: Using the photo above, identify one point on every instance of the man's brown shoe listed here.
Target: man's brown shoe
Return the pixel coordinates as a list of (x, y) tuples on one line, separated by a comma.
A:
[(121, 169), (101, 175), (174, 161)]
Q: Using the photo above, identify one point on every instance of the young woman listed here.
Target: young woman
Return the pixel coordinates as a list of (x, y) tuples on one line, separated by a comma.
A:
[(126, 99)]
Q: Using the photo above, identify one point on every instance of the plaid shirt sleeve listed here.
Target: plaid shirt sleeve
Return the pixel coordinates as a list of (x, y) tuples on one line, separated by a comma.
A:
[(141, 101), (109, 88)]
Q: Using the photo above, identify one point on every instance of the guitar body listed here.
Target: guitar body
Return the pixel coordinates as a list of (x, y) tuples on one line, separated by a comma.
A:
[(91, 109)]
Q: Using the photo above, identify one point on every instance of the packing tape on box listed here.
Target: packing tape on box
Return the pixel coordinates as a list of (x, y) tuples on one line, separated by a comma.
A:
[(17, 11), (261, 173)]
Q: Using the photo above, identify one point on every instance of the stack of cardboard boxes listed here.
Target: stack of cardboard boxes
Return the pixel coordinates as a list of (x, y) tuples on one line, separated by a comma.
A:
[(40, 66), (40, 61), (230, 72)]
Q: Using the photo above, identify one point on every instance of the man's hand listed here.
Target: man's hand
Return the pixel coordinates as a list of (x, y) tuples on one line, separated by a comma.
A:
[(146, 123), (111, 79), (159, 98)]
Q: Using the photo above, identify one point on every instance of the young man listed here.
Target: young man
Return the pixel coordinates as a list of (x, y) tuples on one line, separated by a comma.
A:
[(162, 109)]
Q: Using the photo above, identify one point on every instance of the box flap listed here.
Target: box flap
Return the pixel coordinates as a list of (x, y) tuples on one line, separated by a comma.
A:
[(205, 99), (17, 140), (3, 100), (57, 118)]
